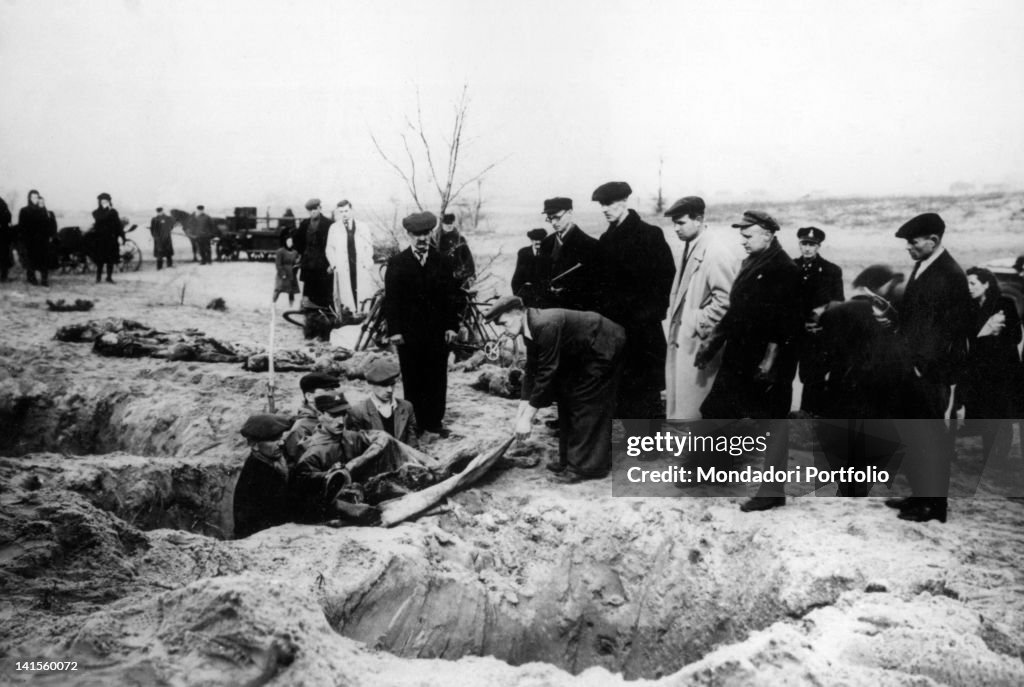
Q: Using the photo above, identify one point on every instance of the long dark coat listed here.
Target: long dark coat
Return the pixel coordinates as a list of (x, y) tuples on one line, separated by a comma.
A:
[(311, 243), (821, 282), (108, 232), (580, 289), (6, 237), (531, 271), (261, 498), (421, 303), (764, 308), (160, 227), (575, 359), (992, 375), (35, 232)]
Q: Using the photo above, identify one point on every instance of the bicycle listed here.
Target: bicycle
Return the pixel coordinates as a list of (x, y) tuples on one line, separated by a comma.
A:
[(131, 254)]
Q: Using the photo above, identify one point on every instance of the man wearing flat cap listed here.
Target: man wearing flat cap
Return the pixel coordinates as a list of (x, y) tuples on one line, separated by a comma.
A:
[(821, 282), (382, 411), (201, 227), (758, 332), (454, 248), (638, 270), (312, 385), (573, 358), (699, 300), (573, 261), (160, 228), (314, 268), (261, 497), (935, 323), (421, 307), (529, 280)]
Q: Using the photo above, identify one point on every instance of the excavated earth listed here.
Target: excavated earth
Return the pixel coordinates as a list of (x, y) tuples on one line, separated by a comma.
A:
[(116, 550)]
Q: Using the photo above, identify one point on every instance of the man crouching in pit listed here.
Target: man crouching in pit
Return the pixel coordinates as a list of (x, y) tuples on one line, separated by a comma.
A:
[(342, 474), (261, 493), (575, 359)]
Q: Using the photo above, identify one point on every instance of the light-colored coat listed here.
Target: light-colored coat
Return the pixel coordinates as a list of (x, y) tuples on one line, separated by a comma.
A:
[(699, 299), (366, 271)]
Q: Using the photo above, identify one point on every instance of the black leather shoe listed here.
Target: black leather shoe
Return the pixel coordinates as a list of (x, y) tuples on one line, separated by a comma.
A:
[(923, 512), (555, 467), (900, 504), (762, 503)]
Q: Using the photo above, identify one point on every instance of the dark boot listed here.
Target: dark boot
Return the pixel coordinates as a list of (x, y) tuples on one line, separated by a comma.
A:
[(924, 510), (110, 273), (159, 263), (762, 503)]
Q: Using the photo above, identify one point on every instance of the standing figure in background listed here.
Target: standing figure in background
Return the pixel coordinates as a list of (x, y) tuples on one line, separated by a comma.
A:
[(533, 269), (51, 232), (160, 228), (34, 232), (203, 229), (638, 273), (286, 262), (821, 282), (454, 249), (574, 260), (349, 252), (109, 235), (699, 300), (6, 240), (311, 243)]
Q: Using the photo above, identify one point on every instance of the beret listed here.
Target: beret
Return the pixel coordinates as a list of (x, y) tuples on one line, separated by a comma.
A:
[(200, 207), (502, 306), (420, 222), (557, 204), (102, 196), (536, 234), (810, 234), (331, 403), (382, 371), (758, 217), (448, 218), (876, 276), (611, 192), (265, 427), (318, 380), (922, 225), (691, 206), (312, 203)]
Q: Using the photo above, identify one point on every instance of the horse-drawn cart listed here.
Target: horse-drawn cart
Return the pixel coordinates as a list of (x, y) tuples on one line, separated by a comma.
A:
[(258, 237)]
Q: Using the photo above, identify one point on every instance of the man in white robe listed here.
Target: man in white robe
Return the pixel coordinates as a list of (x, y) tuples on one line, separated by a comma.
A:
[(350, 254)]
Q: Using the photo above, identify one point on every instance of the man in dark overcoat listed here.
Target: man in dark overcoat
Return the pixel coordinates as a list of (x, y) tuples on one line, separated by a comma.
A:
[(533, 270), (455, 250), (34, 232), (109, 235), (6, 240), (759, 361), (573, 358), (203, 229), (160, 228), (311, 243), (821, 282), (574, 260), (636, 284), (421, 307), (261, 497), (934, 325)]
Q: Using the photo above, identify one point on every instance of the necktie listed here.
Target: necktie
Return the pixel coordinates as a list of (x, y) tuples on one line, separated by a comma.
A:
[(557, 250), (686, 257), (913, 275), (421, 255)]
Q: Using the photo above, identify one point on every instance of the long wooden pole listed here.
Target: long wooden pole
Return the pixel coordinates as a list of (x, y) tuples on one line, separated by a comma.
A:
[(270, 359)]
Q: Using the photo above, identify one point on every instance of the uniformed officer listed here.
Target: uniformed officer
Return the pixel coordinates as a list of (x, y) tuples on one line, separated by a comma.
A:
[(821, 282)]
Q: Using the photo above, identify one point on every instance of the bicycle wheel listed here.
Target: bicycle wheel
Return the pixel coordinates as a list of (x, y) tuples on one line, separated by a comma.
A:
[(131, 257), (373, 327)]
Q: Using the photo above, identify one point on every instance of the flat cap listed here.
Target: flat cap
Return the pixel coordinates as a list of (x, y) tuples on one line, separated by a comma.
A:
[(383, 372), (691, 206), (557, 204), (103, 196), (922, 225), (536, 234), (758, 217), (813, 234), (447, 218), (420, 222), (331, 403), (502, 306), (160, 209), (265, 427), (318, 380), (611, 192), (200, 207), (312, 203)]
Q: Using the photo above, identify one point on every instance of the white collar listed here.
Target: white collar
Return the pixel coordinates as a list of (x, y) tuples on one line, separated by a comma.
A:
[(385, 409), (927, 262)]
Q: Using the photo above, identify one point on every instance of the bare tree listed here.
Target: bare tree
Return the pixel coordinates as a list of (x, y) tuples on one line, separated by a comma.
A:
[(659, 200)]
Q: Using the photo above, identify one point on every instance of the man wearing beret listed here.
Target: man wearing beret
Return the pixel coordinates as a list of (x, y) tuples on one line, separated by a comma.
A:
[(759, 361), (699, 300), (532, 269), (202, 228), (637, 281), (382, 411), (573, 358), (261, 497), (934, 325), (160, 228), (452, 246), (312, 386), (421, 308), (821, 282), (573, 260), (311, 243)]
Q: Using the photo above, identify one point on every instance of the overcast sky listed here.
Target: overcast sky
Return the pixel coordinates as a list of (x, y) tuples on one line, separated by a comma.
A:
[(273, 101)]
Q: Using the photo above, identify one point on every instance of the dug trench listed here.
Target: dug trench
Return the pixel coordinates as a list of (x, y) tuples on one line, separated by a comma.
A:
[(115, 557)]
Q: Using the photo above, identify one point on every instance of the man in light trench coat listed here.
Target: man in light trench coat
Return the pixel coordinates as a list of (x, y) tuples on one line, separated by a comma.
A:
[(700, 297)]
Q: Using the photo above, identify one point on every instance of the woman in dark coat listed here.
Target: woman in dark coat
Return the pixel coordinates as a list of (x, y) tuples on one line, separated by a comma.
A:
[(993, 372), (34, 230), (109, 235)]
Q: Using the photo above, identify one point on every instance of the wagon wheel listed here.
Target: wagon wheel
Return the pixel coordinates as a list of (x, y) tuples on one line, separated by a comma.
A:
[(131, 257), (492, 351)]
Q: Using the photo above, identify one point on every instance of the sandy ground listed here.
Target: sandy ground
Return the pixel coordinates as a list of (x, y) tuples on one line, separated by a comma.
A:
[(117, 491)]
